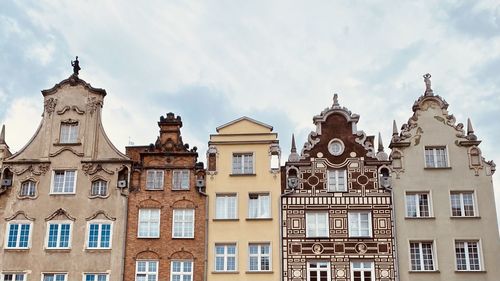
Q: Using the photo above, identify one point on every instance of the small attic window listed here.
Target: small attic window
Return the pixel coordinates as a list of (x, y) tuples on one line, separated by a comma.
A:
[(212, 159), (69, 132)]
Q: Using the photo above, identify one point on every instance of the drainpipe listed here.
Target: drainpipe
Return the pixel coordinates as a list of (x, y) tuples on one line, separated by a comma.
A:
[(125, 223), (205, 270), (394, 233)]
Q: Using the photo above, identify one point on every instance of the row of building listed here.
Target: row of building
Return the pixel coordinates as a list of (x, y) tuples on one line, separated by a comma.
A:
[(73, 207)]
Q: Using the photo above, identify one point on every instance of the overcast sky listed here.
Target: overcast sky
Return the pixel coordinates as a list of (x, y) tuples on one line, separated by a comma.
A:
[(279, 62)]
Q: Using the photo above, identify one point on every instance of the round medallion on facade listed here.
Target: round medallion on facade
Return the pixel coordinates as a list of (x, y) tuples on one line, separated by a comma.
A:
[(336, 147), (297, 273), (340, 273), (361, 248), (362, 179), (384, 273), (319, 154), (317, 248), (353, 154), (313, 180)]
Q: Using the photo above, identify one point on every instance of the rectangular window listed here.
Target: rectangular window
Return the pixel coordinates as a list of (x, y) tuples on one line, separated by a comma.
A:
[(59, 235), (242, 163), (181, 270), (259, 257), (69, 133), (18, 234), (99, 235), (55, 276), (13, 277), (225, 206), (149, 223), (360, 224), (467, 254), (183, 223), (362, 271), (154, 180), (258, 206), (422, 256), (180, 179), (462, 204), (436, 157), (318, 271), (64, 182), (317, 224), (418, 205), (225, 257), (146, 271), (96, 277), (337, 180)]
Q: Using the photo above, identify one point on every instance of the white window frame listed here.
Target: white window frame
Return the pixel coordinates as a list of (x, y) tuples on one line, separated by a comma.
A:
[(147, 272), (29, 185), (101, 185), (7, 234), (96, 275), (52, 186), (242, 170), (155, 179), (462, 204), (418, 211), (100, 223), (351, 215), (181, 273), (184, 223), (333, 186), (363, 269), (261, 206), (72, 132), (259, 256), (65, 274), (313, 228), (225, 215), (421, 255), (225, 256), (149, 221), (58, 240), (15, 275), (178, 177), (318, 270), (467, 254), (434, 150)]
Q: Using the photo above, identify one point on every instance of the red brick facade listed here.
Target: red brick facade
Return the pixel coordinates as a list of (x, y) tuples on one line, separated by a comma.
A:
[(168, 154)]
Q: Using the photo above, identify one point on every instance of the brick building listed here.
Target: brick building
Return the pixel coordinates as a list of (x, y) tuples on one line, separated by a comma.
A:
[(166, 209)]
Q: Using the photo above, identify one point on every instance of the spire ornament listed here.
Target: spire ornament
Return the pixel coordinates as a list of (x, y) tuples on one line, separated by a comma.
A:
[(2, 135), (294, 156), (470, 131), (428, 89)]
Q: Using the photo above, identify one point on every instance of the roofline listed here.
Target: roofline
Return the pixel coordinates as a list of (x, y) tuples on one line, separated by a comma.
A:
[(244, 118)]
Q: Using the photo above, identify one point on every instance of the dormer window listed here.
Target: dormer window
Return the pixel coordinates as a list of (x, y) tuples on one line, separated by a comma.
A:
[(69, 132), (28, 189), (242, 163)]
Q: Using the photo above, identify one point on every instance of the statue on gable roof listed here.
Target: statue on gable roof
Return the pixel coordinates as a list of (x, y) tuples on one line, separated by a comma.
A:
[(76, 66)]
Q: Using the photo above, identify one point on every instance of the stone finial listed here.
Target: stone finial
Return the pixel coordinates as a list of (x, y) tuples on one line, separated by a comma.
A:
[(470, 131), (294, 156), (394, 128), (76, 66), (380, 145), (428, 89), (2, 135), (381, 155), (335, 99)]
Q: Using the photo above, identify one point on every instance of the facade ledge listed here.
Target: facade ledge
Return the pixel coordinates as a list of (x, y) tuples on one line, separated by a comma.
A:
[(225, 219), (242, 175), (225, 272), (259, 219), (259, 272)]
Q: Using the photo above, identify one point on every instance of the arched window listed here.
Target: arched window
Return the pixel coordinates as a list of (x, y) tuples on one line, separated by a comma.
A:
[(28, 189), (396, 160), (475, 157), (99, 188)]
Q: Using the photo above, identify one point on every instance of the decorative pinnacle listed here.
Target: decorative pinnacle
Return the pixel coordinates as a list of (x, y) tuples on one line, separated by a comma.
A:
[(394, 128), (294, 156), (335, 99), (470, 130), (428, 89), (294, 149), (380, 145), (2, 135)]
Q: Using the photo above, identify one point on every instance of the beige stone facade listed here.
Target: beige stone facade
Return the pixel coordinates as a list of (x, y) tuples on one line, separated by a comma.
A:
[(243, 186), (66, 204), (443, 198)]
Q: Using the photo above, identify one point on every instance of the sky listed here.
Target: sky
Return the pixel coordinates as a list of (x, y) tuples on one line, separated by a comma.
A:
[(279, 62)]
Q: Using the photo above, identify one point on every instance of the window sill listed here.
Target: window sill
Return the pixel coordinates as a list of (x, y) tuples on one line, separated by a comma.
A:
[(259, 219), (98, 196), (259, 272), (97, 250), (420, 218), (147, 237), (361, 237), (242, 175), (423, 271), (63, 194), (317, 237), (225, 219), (153, 189), (16, 249), (437, 168), (470, 271), (67, 143), (225, 272), (58, 250), (180, 189), (183, 238), (465, 217)]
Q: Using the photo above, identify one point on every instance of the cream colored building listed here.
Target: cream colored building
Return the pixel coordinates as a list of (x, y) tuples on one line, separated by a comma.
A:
[(65, 194), (243, 186), (443, 198)]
